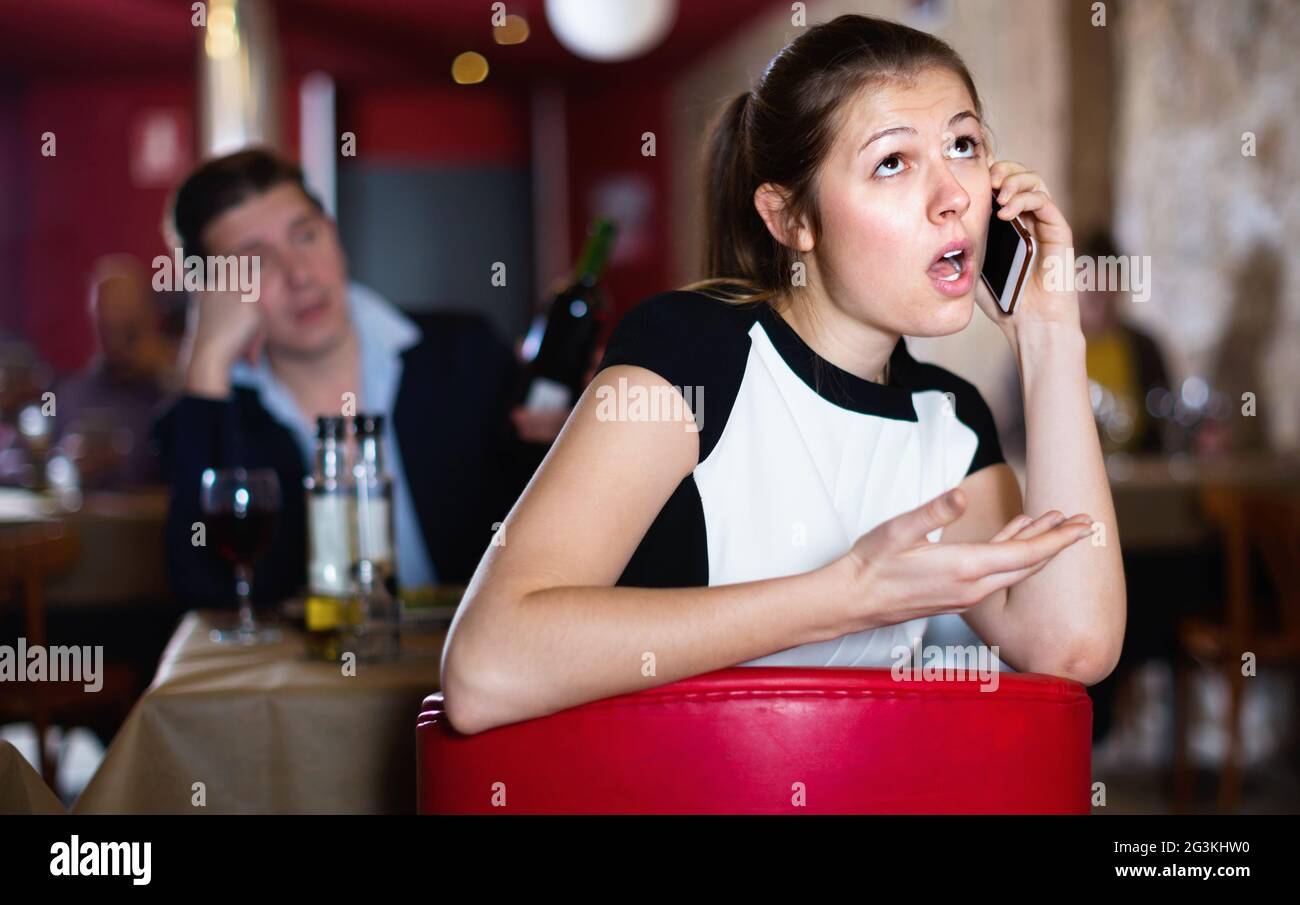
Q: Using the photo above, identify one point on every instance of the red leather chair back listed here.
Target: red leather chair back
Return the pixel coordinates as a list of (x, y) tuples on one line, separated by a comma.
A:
[(776, 740)]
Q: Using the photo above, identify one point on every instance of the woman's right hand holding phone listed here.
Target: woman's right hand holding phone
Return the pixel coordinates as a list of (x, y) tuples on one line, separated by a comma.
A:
[(894, 573)]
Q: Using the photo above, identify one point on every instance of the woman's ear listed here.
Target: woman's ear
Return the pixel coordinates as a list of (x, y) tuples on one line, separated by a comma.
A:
[(770, 202)]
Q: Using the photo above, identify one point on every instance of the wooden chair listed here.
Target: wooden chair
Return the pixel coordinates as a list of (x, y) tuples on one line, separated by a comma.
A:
[(30, 555), (1251, 521)]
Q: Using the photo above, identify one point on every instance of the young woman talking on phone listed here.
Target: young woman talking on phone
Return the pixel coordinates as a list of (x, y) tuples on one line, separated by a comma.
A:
[(793, 521)]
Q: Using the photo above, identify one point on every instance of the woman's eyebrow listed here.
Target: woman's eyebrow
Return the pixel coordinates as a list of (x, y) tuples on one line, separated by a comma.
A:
[(964, 115), (896, 130), (956, 118)]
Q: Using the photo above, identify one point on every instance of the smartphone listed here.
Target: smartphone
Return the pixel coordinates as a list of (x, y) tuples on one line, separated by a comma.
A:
[(1008, 256)]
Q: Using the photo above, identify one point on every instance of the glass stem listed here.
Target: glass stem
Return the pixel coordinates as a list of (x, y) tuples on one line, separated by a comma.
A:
[(244, 588)]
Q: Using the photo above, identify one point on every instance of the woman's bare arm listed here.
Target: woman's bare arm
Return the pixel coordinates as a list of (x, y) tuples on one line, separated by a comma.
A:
[(542, 628), (1078, 605), (1069, 618)]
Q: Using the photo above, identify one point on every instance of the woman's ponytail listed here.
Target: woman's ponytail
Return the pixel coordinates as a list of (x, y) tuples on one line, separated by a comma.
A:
[(729, 196)]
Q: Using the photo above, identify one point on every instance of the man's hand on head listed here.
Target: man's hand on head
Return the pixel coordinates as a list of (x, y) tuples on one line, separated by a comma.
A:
[(224, 329)]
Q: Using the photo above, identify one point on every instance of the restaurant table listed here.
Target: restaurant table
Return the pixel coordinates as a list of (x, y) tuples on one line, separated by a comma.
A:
[(1157, 498), (121, 539), (266, 730)]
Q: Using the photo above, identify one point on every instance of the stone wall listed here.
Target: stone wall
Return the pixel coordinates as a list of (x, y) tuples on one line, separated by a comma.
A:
[(1219, 226)]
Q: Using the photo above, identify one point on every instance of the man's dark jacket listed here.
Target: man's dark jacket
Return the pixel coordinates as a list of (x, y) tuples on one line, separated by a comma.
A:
[(463, 460)]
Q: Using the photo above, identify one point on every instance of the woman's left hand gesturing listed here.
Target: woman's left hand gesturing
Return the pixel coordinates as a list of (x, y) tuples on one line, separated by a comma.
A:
[(1047, 298)]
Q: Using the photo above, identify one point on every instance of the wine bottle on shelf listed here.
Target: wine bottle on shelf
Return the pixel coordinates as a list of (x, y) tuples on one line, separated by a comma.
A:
[(330, 518), (558, 348)]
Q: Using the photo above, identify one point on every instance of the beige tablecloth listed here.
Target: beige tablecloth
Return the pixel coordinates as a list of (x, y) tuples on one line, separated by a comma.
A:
[(267, 731), (22, 791)]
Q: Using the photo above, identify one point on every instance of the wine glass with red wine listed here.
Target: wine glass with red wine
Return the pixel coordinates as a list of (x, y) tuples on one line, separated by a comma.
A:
[(240, 508)]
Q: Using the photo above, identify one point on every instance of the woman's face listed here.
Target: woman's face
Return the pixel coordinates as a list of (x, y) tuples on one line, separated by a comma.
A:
[(906, 180)]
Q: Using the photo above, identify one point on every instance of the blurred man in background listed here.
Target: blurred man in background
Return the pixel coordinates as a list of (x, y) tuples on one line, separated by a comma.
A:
[(259, 374), (104, 414)]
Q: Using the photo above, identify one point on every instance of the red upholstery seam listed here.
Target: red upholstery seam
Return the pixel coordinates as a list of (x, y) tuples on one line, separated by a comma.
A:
[(1074, 698)]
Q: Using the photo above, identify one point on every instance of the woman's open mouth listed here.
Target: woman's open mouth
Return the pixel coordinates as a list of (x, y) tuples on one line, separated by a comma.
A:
[(952, 270)]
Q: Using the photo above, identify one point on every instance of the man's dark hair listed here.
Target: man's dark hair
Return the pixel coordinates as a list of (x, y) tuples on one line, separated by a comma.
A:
[(218, 185)]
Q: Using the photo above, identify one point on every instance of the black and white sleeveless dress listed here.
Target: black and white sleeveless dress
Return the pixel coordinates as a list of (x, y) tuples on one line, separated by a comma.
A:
[(798, 458)]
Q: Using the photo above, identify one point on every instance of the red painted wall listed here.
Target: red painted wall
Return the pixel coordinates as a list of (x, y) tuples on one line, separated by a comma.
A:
[(13, 205), (605, 145), (80, 203), (435, 125)]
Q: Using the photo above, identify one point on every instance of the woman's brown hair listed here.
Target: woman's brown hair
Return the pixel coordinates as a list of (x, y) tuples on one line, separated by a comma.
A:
[(781, 131)]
